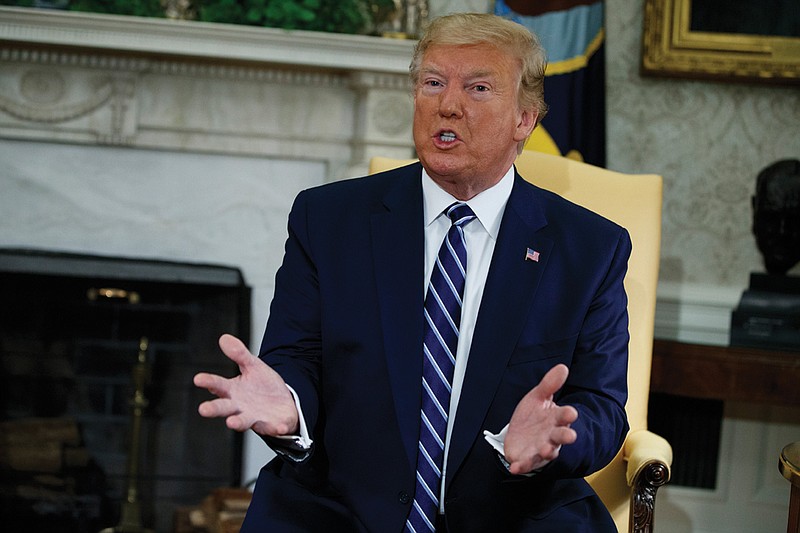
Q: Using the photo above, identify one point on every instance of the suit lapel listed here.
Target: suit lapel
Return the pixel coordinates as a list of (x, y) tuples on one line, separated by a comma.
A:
[(398, 241), (510, 291)]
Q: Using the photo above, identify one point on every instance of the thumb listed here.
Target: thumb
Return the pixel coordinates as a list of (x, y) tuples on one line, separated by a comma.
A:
[(235, 350), (552, 381)]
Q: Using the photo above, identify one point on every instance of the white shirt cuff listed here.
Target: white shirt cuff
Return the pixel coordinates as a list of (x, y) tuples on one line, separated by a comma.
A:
[(302, 442), (497, 441)]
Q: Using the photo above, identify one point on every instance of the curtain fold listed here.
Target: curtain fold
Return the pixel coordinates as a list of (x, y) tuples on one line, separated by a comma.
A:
[(573, 34)]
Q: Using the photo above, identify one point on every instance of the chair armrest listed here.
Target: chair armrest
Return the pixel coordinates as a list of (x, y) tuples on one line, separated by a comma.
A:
[(649, 458), (644, 448)]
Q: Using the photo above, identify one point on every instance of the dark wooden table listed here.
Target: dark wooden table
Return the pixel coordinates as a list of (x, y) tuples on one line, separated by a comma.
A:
[(726, 373)]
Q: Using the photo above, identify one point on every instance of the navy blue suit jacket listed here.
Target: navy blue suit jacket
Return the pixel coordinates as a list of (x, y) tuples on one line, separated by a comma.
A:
[(345, 331)]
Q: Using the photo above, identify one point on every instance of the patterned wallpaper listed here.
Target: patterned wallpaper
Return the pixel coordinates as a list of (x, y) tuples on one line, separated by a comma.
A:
[(708, 140)]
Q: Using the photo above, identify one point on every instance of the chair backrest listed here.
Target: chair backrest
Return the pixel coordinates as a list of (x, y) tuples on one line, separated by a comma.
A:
[(634, 202)]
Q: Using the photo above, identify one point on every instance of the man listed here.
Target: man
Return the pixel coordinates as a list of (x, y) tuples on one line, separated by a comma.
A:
[(357, 354)]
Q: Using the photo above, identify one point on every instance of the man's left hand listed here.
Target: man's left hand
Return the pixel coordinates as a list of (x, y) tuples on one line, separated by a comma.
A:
[(538, 427)]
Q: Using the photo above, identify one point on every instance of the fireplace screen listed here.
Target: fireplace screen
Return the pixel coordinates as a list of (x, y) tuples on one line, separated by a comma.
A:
[(98, 414)]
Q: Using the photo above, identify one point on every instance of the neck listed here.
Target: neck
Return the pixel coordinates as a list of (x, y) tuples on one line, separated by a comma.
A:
[(464, 189)]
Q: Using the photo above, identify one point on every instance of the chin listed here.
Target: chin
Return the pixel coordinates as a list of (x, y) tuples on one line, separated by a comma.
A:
[(444, 171)]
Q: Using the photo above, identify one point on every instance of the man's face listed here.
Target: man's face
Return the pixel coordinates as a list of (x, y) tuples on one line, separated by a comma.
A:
[(467, 122)]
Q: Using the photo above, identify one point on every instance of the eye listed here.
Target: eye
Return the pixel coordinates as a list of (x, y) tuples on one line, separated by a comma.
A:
[(481, 88)]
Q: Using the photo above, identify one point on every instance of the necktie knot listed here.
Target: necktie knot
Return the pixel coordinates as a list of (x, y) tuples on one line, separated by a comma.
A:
[(460, 214)]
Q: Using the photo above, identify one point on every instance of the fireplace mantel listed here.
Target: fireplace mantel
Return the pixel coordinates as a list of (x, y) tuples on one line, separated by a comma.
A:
[(208, 41), (192, 86)]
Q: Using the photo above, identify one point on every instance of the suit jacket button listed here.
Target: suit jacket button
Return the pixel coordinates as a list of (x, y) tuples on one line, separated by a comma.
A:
[(403, 497)]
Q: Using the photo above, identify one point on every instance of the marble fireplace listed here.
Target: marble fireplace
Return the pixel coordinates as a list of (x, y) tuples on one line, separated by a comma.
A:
[(184, 142)]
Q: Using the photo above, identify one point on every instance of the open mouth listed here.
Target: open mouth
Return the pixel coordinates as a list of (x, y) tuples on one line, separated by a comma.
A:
[(447, 136)]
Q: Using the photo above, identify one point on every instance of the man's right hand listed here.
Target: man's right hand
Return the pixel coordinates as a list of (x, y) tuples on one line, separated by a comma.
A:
[(256, 399)]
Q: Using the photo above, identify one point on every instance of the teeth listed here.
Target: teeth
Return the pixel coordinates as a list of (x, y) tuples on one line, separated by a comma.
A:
[(448, 137)]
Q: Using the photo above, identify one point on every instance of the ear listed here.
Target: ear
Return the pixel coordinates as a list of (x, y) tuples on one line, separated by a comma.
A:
[(526, 124)]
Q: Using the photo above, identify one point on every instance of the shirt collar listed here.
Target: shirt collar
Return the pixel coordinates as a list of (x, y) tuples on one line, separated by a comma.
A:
[(488, 206)]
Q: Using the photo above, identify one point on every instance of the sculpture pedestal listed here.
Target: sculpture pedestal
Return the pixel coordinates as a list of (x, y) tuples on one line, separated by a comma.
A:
[(768, 314)]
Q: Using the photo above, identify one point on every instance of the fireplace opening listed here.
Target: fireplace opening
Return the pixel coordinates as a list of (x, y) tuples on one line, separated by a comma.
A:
[(97, 357)]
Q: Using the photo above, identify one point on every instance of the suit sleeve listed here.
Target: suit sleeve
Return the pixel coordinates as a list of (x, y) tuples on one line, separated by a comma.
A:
[(597, 384), (292, 340)]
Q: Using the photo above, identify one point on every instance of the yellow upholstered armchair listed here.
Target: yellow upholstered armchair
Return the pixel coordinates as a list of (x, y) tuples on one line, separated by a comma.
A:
[(629, 483)]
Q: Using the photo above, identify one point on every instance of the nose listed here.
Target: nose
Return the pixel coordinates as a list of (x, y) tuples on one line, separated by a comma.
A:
[(451, 102)]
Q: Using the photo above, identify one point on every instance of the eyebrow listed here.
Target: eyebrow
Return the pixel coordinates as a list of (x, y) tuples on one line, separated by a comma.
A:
[(483, 73)]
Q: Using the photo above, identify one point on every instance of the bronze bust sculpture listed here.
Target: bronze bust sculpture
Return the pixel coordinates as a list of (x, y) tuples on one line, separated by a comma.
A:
[(776, 215), (768, 314)]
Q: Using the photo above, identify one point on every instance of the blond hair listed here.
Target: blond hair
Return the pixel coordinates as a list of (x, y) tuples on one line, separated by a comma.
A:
[(461, 29)]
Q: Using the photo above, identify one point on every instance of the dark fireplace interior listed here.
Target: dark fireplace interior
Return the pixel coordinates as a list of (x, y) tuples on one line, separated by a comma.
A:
[(84, 341)]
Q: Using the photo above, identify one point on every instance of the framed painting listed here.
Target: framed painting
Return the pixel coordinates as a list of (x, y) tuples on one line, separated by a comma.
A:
[(726, 40)]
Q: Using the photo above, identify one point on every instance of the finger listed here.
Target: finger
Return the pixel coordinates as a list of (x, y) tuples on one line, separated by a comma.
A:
[(566, 415), (528, 466), (237, 423), (217, 408), (563, 435), (552, 381), (519, 468), (216, 385), (235, 350)]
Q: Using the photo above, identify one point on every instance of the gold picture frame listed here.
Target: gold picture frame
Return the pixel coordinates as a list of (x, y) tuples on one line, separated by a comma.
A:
[(672, 48)]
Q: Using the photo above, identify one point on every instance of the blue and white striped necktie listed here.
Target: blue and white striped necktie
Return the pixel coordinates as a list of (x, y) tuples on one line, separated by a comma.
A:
[(442, 320)]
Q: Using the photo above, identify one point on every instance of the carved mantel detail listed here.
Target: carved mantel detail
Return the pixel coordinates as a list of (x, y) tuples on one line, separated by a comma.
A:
[(109, 80)]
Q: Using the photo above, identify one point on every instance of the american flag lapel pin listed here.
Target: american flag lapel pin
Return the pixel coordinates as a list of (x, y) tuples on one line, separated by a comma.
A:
[(532, 255)]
